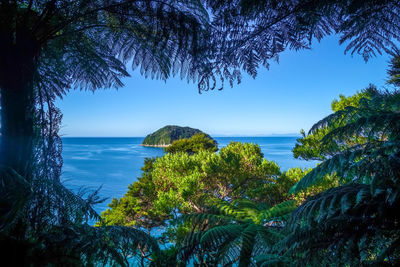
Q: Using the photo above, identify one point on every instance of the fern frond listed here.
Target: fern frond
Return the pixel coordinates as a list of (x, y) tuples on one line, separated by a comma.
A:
[(270, 260), (218, 234), (15, 193), (279, 210)]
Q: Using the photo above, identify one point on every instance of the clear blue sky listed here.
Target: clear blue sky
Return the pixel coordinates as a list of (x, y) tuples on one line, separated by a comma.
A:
[(292, 95)]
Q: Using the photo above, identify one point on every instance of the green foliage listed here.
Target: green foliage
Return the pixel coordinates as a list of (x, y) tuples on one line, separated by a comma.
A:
[(375, 122), (196, 143), (44, 224), (136, 207), (47, 48), (213, 207), (356, 223), (183, 183), (351, 101), (270, 260), (234, 232), (231, 190), (252, 33), (311, 146), (394, 69), (15, 192), (170, 133), (166, 258)]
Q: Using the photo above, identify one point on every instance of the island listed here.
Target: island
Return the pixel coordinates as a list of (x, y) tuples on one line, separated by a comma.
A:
[(165, 136)]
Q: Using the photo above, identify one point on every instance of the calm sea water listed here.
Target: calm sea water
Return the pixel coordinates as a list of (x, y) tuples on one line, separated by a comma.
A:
[(114, 163)]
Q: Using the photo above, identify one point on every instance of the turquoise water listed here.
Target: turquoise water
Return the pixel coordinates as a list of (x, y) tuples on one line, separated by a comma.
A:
[(114, 163)]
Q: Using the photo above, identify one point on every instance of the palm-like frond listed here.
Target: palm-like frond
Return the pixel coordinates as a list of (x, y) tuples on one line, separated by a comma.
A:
[(272, 260), (88, 44), (47, 223), (56, 223), (235, 232), (336, 224), (82, 245), (376, 121), (354, 223), (278, 212), (249, 34), (15, 192)]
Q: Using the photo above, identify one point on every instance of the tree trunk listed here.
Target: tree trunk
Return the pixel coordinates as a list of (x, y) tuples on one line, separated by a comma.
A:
[(17, 65), (16, 147)]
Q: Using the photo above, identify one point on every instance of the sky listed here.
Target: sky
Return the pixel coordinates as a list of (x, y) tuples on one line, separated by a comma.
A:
[(292, 95)]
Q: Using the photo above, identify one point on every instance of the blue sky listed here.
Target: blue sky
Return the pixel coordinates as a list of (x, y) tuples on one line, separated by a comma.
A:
[(290, 96)]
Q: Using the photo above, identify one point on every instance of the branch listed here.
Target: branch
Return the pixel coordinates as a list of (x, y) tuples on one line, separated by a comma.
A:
[(67, 22), (266, 27)]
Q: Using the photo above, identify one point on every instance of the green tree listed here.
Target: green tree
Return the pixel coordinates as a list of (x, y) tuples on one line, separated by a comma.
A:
[(394, 68), (234, 233), (357, 222), (248, 34), (194, 144), (312, 145), (48, 47), (180, 184), (183, 183)]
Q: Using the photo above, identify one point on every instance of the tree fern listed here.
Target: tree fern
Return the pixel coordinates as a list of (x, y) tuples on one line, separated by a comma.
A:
[(250, 34), (48, 48), (15, 192), (235, 232), (355, 223), (49, 220)]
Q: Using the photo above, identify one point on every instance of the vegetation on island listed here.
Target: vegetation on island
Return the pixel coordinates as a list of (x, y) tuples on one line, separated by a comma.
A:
[(170, 133), (49, 47)]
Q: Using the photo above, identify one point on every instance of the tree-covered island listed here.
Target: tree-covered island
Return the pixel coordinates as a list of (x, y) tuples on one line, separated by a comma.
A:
[(164, 136)]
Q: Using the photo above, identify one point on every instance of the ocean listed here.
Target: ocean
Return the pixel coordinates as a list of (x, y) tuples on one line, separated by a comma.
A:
[(114, 163)]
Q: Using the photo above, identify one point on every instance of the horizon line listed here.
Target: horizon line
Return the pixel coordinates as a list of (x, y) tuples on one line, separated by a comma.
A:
[(217, 136)]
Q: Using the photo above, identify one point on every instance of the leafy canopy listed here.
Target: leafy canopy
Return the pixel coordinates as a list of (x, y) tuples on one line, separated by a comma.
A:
[(194, 144), (180, 194), (51, 46), (184, 183), (47, 48), (87, 44), (233, 232), (249, 34), (358, 221), (312, 147)]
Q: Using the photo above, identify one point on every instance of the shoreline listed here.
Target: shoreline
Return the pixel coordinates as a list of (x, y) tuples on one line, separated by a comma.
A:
[(155, 145)]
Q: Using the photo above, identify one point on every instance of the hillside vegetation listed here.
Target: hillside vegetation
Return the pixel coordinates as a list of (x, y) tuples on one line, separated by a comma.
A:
[(195, 144), (166, 135)]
